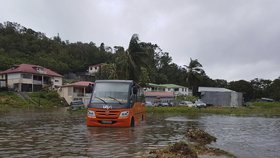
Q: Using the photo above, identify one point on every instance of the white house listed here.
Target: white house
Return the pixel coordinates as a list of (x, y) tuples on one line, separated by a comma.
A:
[(176, 89), (94, 68), (76, 91), (29, 78)]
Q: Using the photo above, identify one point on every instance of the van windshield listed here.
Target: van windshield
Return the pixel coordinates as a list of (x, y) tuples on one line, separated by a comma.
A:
[(110, 93)]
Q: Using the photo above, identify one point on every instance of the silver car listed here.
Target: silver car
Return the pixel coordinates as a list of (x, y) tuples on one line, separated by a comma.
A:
[(199, 104), (77, 104)]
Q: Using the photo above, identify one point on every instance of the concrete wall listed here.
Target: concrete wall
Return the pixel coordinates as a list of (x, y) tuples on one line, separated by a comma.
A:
[(93, 69), (57, 81), (231, 99), (236, 99), (69, 95), (216, 98)]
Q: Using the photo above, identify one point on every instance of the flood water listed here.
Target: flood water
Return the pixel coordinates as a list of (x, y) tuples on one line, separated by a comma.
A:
[(59, 133)]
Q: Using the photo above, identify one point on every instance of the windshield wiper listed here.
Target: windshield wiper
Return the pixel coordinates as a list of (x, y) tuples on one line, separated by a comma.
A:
[(101, 100), (115, 99)]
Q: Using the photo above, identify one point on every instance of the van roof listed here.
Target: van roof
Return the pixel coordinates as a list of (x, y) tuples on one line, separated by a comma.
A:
[(115, 81)]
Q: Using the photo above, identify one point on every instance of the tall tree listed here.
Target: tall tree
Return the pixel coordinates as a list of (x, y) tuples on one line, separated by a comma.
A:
[(243, 86), (274, 89), (133, 59), (194, 75)]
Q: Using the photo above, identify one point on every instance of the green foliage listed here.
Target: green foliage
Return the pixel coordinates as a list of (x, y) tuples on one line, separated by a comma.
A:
[(108, 71), (195, 74), (11, 100), (239, 111), (46, 99), (266, 104)]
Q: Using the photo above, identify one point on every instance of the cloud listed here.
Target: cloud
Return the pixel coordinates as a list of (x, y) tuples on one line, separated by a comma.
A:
[(232, 39)]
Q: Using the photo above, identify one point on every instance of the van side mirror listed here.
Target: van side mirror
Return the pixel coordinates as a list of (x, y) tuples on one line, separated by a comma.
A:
[(134, 90), (89, 88)]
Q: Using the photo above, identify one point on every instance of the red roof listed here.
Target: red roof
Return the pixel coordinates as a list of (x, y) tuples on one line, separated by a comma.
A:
[(33, 69), (79, 84), (159, 94)]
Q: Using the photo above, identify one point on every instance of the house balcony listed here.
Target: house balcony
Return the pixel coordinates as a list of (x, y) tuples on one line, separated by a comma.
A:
[(37, 82)]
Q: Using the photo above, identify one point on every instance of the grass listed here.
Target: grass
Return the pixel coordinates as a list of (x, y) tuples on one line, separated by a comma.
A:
[(10, 100), (255, 109)]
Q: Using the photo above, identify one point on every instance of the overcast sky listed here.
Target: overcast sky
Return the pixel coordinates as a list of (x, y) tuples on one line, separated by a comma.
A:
[(232, 39)]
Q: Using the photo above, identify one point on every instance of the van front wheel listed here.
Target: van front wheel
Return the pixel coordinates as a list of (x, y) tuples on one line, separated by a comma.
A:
[(132, 123)]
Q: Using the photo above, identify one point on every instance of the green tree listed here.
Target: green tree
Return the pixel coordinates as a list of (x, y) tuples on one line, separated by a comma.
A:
[(194, 75), (243, 86), (108, 71), (132, 60), (274, 89), (137, 58)]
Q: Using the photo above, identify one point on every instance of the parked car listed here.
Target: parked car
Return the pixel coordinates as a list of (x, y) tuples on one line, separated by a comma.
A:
[(77, 104), (163, 104), (148, 103), (199, 104), (170, 104), (187, 103)]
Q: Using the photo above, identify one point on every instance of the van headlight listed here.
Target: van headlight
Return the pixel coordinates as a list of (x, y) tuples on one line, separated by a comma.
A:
[(91, 114), (124, 114)]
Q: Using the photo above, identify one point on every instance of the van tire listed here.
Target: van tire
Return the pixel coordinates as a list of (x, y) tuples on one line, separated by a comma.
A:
[(132, 122)]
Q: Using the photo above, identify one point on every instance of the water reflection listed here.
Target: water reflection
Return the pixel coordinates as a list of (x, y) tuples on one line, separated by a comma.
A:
[(61, 134)]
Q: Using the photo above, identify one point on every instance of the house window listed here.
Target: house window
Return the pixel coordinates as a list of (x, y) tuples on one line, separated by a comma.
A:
[(95, 68), (56, 80), (90, 68), (28, 76)]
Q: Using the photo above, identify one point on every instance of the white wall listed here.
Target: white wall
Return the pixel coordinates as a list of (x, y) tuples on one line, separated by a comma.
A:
[(57, 81), (68, 94), (93, 69)]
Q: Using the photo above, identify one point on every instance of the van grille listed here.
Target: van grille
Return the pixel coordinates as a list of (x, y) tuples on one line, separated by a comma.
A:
[(107, 114)]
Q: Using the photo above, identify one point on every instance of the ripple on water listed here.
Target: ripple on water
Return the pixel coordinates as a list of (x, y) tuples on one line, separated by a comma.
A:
[(60, 134), (179, 119)]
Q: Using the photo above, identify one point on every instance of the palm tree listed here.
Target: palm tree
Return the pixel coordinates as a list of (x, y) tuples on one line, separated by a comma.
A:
[(194, 75), (131, 61)]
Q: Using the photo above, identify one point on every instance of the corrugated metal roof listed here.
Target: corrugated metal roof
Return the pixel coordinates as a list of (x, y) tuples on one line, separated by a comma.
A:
[(213, 89)]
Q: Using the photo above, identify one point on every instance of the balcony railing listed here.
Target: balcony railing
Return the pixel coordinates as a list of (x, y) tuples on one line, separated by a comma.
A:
[(37, 82)]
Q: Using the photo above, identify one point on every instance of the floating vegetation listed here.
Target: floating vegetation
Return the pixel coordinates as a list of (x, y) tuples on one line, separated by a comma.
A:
[(197, 146), (199, 136)]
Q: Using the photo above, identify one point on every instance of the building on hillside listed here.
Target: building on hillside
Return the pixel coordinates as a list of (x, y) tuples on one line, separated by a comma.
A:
[(162, 97), (76, 91), (93, 69), (220, 96), (3, 81), (176, 89), (30, 78)]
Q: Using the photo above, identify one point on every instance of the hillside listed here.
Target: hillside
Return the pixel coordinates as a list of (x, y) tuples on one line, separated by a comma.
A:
[(24, 45)]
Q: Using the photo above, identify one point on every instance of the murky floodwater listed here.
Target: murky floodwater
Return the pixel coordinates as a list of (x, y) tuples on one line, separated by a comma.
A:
[(62, 134)]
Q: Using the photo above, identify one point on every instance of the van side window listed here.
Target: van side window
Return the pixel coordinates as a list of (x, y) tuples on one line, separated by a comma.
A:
[(140, 95)]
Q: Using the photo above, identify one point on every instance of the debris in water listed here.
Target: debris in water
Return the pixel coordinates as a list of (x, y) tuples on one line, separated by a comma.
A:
[(199, 136)]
